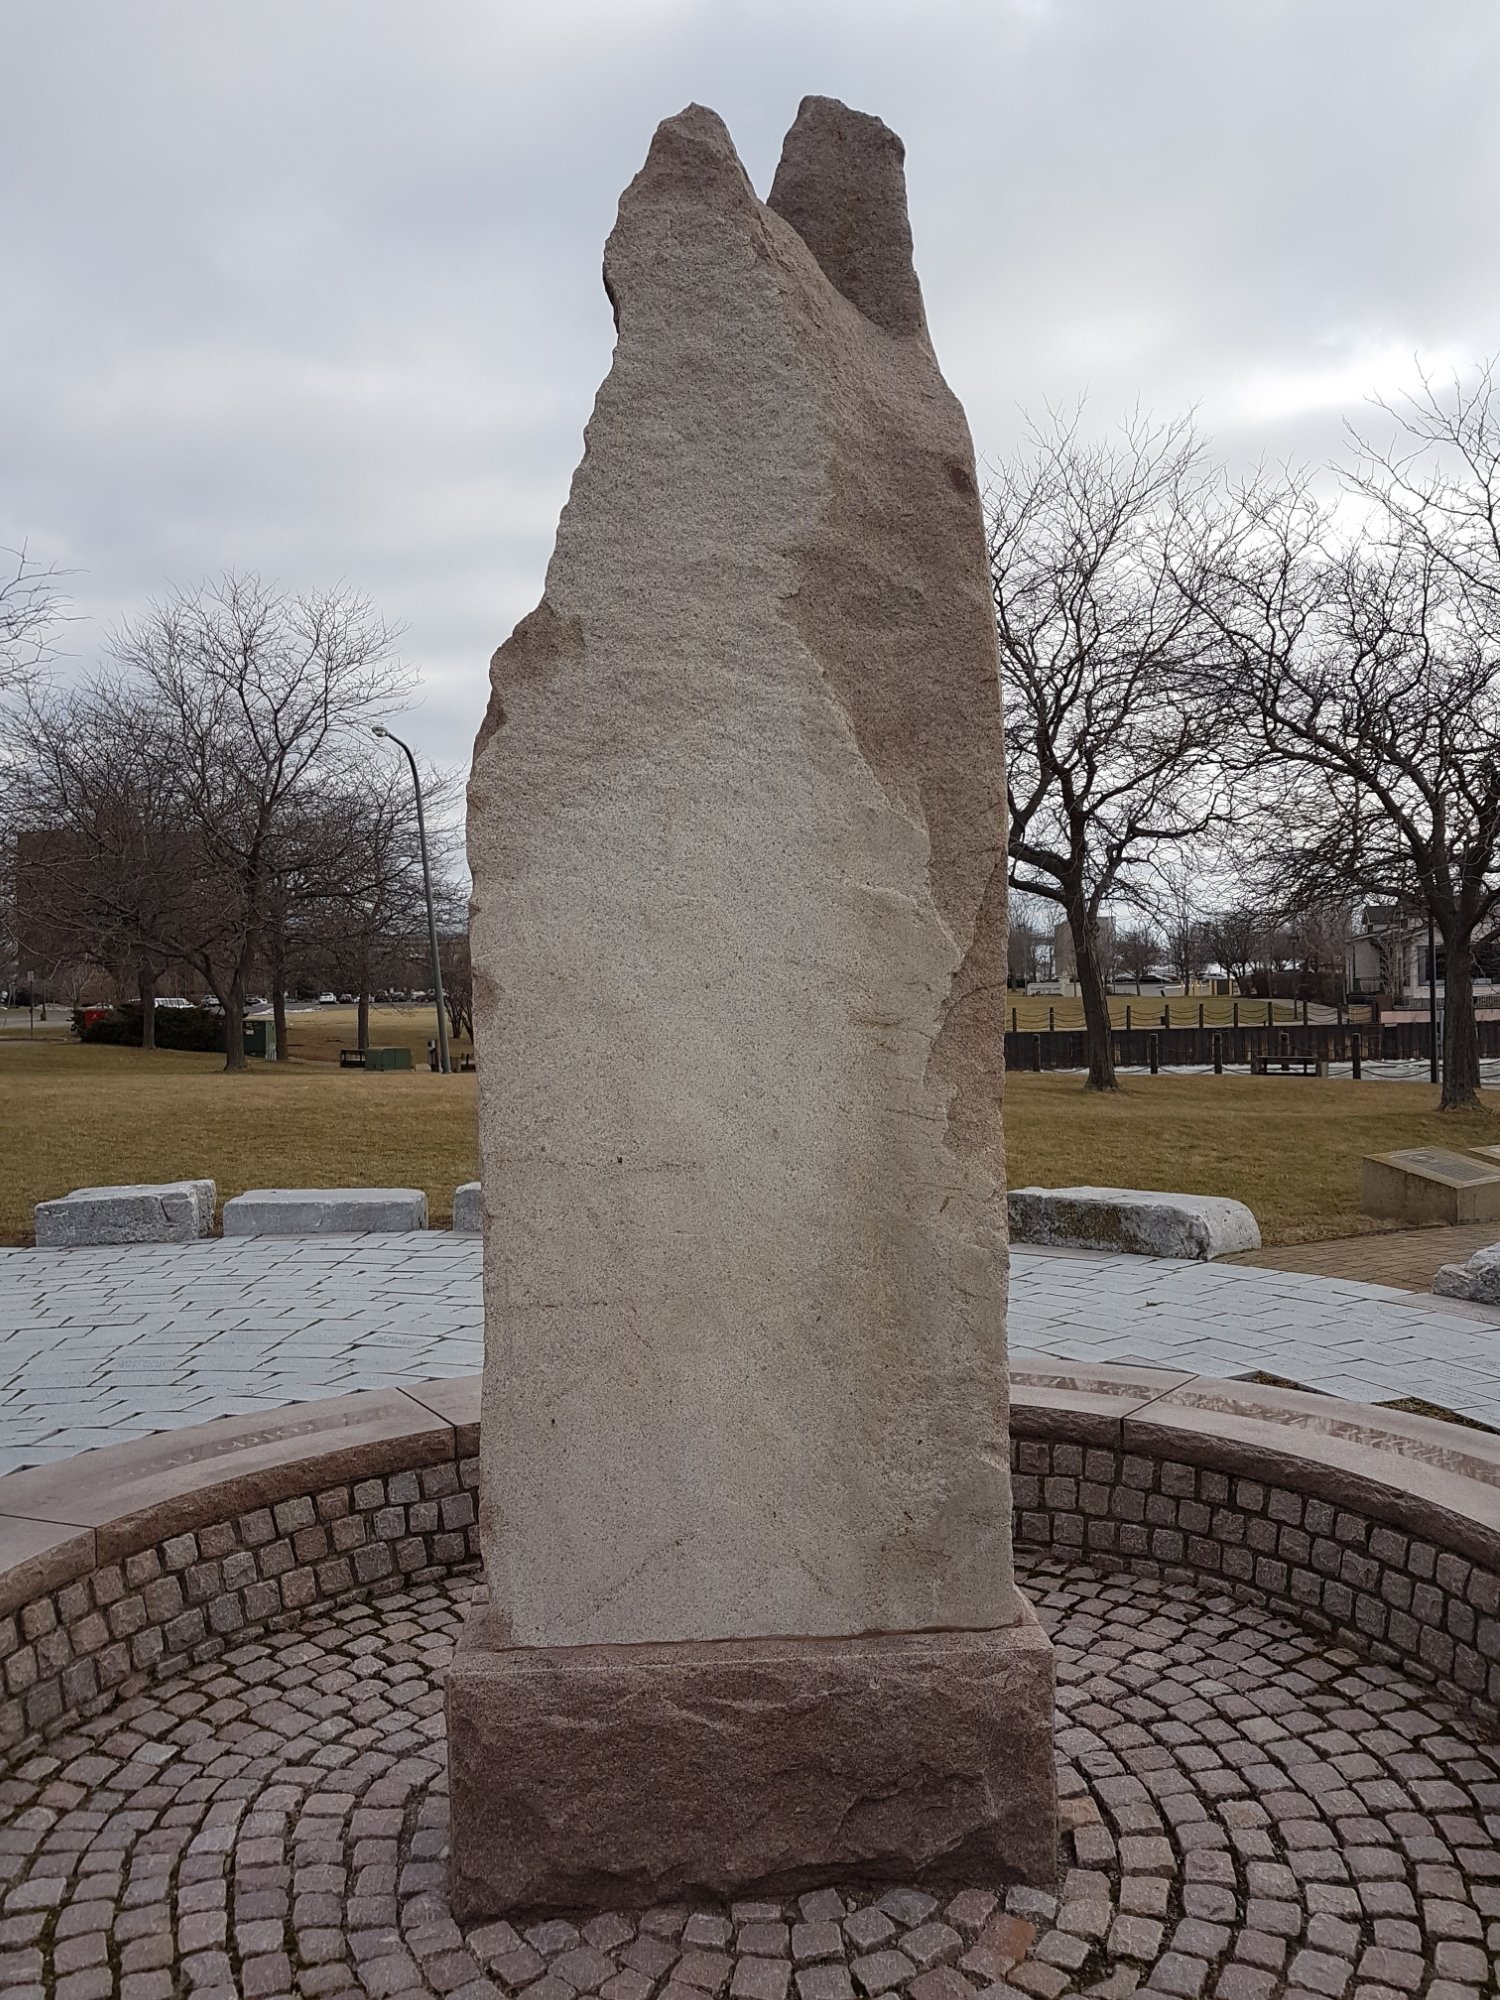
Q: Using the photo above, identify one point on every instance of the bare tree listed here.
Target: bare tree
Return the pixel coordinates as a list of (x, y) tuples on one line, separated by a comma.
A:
[(1364, 674), (1030, 932), (30, 607), (458, 982), (1109, 741), (361, 888), (104, 858), (1139, 948), (254, 688), (1171, 891), (1234, 937)]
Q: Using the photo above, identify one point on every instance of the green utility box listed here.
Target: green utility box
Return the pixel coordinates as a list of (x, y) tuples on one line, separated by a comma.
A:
[(387, 1058), (260, 1038)]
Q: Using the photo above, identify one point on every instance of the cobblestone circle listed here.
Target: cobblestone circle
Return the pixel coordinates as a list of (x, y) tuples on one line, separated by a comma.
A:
[(1251, 1813)]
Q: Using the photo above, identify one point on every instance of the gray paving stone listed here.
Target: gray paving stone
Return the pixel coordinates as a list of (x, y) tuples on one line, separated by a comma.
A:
[(96, 1344)]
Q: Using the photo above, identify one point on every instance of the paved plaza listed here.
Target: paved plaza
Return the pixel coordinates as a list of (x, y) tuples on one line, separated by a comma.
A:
[(99, 1346), (1249, 1811)]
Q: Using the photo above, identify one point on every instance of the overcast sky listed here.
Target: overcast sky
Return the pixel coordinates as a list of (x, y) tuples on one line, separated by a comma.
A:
[(311, 287)]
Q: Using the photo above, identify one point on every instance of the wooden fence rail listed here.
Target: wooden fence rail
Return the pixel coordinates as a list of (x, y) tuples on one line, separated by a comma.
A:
[(1176, 1048)]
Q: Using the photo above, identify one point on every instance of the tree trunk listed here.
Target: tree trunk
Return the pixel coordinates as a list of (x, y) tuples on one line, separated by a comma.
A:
[(234, 1023), (1096, 1028), (362, 1034), (278, 994), (146, 987), (1460, 1029)]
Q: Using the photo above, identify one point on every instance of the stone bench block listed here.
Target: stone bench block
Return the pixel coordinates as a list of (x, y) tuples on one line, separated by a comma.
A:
[(324, 1211), (468, 1209), (1144, 1221), (163, 1212)]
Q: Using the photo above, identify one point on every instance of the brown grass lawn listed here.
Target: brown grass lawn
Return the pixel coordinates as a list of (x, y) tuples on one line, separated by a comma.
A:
[(73, 1116), (1288, 1147)]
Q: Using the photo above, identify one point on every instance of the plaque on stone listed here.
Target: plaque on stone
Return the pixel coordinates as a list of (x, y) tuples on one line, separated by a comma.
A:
[(1421, 1184)]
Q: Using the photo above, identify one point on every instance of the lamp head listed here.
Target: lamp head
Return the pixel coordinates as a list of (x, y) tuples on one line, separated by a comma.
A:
[(379, 729)]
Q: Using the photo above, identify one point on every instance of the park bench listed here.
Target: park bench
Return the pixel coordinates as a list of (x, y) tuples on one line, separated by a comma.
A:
[(351, 1058), (1288, 1066)]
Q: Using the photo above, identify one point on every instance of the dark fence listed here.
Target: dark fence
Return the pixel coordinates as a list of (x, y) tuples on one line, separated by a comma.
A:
[(1172, 1048)]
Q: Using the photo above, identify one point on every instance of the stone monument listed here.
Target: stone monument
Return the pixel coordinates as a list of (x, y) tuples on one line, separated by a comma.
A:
[(735, 823)]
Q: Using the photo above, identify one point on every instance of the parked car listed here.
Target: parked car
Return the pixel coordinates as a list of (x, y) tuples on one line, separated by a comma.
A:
[(328, 999), (171, 1000)]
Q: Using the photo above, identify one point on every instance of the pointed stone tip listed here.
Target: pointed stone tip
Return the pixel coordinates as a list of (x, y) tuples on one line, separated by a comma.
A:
[(691, 159), (841, 184), (692, 151)]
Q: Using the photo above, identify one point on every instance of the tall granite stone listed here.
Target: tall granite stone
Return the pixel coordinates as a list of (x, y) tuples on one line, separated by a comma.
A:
[(735, 825)]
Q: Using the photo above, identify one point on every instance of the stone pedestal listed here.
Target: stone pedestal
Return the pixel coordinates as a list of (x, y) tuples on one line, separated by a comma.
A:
[(621, 1776), (736, 834)]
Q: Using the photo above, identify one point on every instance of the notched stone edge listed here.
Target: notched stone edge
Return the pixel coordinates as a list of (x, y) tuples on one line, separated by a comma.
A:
[(543, 642)]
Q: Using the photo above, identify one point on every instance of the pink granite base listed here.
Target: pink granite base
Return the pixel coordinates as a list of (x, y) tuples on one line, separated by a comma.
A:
[(624, 1776)]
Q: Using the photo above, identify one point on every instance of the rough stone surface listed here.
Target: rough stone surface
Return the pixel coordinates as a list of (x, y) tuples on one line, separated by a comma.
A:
[(1476, 1279), (1141, 1220), (164, 1212), (324, 1211), (735, 832), (468, 1209), (1252, 1813), (635, 1775)]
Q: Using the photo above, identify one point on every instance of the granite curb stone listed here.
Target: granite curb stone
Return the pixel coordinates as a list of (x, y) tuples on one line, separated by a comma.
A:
[(324, 1211), (468, 1209), (139, 1212), (1141, 1221)]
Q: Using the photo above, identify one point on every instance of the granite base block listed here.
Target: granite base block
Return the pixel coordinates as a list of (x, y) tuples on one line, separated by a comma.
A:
[(624, 1776)]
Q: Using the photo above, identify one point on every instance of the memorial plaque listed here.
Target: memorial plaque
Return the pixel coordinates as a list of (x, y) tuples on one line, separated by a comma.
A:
[(1436, 1163), (1431, 1184)]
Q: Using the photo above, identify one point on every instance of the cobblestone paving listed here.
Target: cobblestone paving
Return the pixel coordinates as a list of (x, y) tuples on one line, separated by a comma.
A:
[(97, 1346), (1250, 1814)]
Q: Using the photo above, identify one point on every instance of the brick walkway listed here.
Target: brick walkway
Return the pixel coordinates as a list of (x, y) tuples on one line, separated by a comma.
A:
[(98, 1346), (1406, 1258), (1251, 1814)]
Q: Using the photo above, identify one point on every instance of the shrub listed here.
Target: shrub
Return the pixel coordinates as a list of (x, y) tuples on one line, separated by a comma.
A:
[(176, 1028)]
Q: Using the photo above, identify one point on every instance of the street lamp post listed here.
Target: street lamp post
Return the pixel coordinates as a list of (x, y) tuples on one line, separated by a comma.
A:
[(444, 1064)]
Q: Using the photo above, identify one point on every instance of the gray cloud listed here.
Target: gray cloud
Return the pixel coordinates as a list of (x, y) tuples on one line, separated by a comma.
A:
[(314, 288)]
